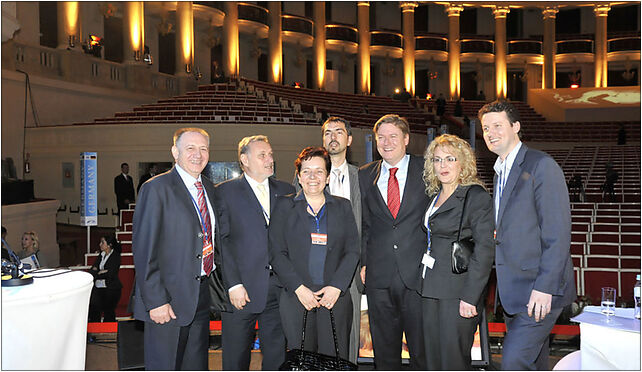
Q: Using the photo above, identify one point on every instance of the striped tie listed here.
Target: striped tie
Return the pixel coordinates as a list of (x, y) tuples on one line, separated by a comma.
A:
[(393, 193), (206, 224)]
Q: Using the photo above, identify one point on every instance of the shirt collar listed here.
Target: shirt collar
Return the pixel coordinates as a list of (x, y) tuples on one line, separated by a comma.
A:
[(254, 183), (328, 197), (187, 178), (124, 175), (403, 163), (510, 159), (343, 167)]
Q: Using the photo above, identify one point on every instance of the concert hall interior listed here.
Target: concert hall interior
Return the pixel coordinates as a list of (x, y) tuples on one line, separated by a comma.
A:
[(113, 81)]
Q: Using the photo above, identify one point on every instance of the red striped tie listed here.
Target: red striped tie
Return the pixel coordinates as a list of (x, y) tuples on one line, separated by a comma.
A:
[(206, 224), (393, 193)]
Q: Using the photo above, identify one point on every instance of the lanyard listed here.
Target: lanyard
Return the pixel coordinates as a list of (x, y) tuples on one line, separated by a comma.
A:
[(428, 220), (201, 218), (318, 216)]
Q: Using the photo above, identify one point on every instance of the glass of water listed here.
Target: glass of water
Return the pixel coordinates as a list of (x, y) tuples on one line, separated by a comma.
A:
[(608, 301)]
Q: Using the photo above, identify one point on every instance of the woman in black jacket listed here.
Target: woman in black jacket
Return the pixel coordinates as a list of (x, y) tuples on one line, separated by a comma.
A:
[(452, 303), (107, 287), (314, 250)]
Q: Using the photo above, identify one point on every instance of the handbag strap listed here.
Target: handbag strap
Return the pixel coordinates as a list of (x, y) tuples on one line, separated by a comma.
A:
[(334, 332), (463, 209)]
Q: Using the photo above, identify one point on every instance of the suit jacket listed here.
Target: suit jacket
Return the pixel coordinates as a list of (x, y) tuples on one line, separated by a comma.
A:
[(167, 243), (124, 189), (144, 178), (289, 242), (387, 243), (112, 266), (534, 233), (244, 237), (478, 222)]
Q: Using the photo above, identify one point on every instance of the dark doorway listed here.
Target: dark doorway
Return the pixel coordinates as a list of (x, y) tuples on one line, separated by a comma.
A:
[(167, 53), (309, 80), (48, 23), (263, 67), (468, 85), (421, 19), (114, 39), (516, 87), (623, 18), (216, 66), (374, 79), (422, 83)]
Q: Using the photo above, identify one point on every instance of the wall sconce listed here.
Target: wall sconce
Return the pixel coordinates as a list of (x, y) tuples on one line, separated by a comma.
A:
[(72, 41), (137, 55), (188, 68), (93, 45), (197, 73)]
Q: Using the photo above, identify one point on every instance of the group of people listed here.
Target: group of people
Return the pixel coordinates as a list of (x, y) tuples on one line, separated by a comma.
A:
[(124, 185), (262, 250)]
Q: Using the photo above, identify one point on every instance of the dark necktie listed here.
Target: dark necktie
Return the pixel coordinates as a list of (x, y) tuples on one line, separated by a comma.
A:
[(393, 193), (206, 224)]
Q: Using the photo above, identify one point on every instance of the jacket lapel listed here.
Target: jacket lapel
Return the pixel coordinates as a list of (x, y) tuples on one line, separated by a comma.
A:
[(353, 176), (251, 197), (183, 196), (513, 177), (409, 188), (380, 202)]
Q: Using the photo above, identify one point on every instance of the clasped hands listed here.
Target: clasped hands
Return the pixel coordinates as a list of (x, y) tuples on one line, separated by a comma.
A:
[(326, 297)]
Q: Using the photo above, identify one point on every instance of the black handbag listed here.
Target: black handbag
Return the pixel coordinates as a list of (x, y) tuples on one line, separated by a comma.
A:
[(462, 249), (303, 360)]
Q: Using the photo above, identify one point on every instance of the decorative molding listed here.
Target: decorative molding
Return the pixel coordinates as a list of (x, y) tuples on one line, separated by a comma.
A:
[(453, 9), (408, 6), (550, 12), (602, 10), (363, 3), (500, 11)]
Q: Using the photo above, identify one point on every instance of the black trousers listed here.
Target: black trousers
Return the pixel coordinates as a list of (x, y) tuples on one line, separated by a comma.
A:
[(172, 347), (393, 311), (448, 337), (103, 300), (526, 342), (238, 334), (318, 332)]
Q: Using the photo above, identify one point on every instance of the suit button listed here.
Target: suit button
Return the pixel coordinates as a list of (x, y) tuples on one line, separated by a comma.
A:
[(496, 242), (394, 246), (197, 277), (199, 256), (394, 227), (267, 267), (200, 235)]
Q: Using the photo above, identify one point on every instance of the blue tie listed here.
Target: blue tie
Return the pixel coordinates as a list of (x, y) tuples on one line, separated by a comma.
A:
[(500, 190)]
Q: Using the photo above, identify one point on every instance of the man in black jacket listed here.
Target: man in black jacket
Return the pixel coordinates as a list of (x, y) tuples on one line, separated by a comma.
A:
[(124, 188)]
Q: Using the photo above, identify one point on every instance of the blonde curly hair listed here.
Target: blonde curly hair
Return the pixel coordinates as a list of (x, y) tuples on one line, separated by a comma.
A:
[(461, 150)]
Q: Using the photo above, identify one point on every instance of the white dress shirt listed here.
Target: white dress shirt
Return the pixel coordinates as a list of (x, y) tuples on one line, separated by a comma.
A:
[(503, 168), (402, 174), (100, 283), (254, 186), (343, 183), (189, 182)]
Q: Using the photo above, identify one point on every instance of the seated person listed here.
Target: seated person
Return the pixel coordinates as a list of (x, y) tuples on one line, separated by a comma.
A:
[(31, 247)]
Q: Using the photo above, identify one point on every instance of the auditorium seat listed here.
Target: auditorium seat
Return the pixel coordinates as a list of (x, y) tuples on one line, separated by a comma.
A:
[(593, 279)]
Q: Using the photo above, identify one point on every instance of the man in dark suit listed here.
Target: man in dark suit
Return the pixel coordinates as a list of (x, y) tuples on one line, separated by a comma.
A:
[(173, 239), (393, 203), (153, 170), (124, 188), (244, 205), (344, 182), (533, 236)]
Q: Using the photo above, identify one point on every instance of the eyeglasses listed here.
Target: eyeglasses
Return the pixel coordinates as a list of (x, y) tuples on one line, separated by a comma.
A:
[(448, 159)]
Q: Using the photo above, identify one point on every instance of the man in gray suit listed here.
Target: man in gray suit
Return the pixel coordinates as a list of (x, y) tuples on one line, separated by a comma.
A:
[(344, 182), (533, 236)]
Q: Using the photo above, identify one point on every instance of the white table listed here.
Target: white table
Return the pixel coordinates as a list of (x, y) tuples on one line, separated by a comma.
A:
[(44, 324), (609, 345)]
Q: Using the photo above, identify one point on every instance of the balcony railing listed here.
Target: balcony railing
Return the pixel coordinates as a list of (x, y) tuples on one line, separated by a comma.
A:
[(252, 12), (341, 32), (524, 47), (298, 24), (212, 4), (624, 44), (477, 46), (386, 38), (574, 46), (431, 43)]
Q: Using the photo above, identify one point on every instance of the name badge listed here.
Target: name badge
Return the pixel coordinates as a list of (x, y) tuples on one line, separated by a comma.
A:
[(319, 239), (207, 250), (428, 261)]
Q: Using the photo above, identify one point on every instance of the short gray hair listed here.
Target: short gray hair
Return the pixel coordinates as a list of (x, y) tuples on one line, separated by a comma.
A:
[(179, 133), (244, 144)]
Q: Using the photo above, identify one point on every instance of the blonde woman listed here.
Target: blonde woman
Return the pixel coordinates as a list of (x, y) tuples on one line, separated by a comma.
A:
[(31, 246), (452, 303)]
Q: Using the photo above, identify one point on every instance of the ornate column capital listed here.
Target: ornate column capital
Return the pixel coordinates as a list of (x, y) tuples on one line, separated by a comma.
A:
[(550, 12), (408, 6), (363, 3), (601, 10), (500, 11), (453, 9)]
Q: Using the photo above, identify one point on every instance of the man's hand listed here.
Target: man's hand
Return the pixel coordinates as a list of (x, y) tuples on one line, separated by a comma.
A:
[(539, 304), (162, 314), (306, 297), (363, 275), (328, 296), (467, 310), (239, 297)]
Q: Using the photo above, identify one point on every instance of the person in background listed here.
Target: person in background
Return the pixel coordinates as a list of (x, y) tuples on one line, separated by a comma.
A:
[(107, 286), (459, 111), (533, 239), (313, 245), (31, 246), (153, 170), (124, 188), (441, 105), (245, 205), (7, 253), (453, 303)]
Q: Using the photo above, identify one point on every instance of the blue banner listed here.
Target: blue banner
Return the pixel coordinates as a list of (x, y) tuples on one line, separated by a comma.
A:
[(88, 189)]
